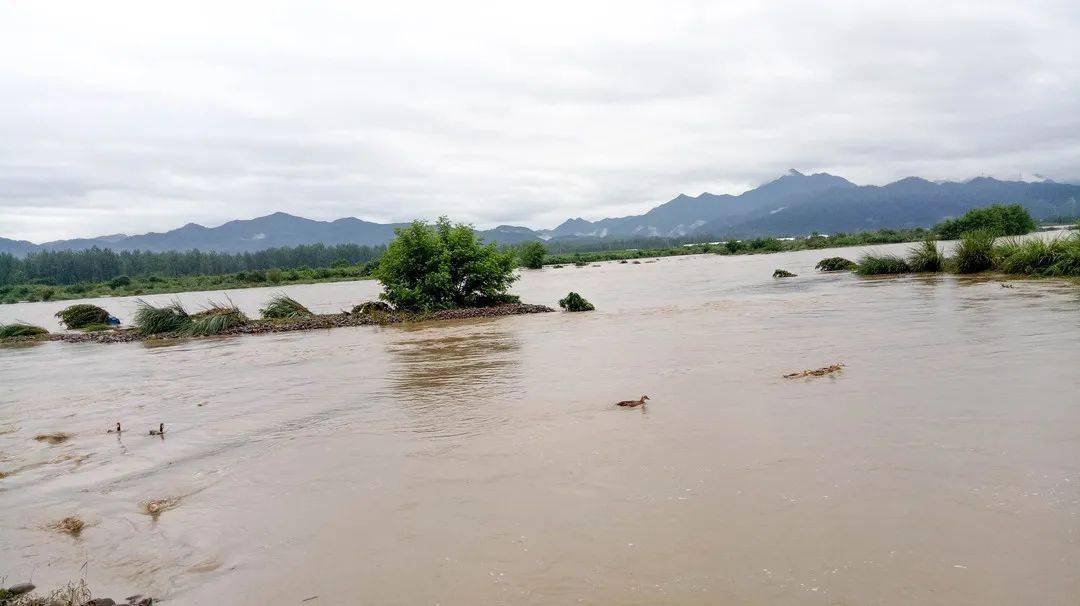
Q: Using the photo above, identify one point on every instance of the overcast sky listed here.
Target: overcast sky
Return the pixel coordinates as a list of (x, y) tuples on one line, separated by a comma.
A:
[(146, 115)]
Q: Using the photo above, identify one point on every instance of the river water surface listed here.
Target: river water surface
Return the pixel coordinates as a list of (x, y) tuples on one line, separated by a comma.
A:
[(478, 462)]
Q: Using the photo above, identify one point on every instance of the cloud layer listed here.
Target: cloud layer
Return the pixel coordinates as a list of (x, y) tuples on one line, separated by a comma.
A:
[(142, 116)]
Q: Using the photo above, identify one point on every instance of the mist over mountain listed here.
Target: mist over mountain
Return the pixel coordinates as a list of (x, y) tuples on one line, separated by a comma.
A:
[(794, 204)]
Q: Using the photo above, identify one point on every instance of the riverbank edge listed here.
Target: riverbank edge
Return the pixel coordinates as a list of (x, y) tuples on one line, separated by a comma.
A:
[(315, 322)]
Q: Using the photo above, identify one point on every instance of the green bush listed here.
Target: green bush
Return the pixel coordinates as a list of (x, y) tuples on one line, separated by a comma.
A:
[(974, 252), (47, 293), (273, 275), (119, 282), (575, 302), (442, 266), (532, 255), (926, 257), (282, 306), (998, 219), (875, 265), (82, 315), (835, 264), (152, 320), (20, 329)]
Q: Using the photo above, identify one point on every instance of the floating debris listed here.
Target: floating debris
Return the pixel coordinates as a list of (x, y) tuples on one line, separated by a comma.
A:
[(54, 438), (819, 372), (155, 507), (783, 273), (70, 525), (1004, 285)]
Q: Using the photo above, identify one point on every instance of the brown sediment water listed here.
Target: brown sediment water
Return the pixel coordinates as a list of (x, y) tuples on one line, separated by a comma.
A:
[(484, 461)]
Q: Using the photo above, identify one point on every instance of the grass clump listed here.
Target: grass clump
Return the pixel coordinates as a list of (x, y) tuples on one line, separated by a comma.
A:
[(57, 437), (284, 306), (370, 307), (20, 329), (96, 327), (82, 315), (974, 252), (926, 257), (835, 264), (1059, 257), (877, 265), (215, 319), (70, 525), (575, 302), (783, 273), (151, 320)]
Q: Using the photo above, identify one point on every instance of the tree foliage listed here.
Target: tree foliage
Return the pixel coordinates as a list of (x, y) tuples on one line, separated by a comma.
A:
[(119, 267), (532, 255), (998, 219), (443, 266)]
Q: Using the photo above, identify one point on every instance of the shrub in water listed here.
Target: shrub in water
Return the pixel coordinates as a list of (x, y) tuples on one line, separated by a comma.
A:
[(974, 252), (575, 302), (82, 315), (368, 307), (152, 320), (835, 264), (926, 257), (215, 319), (20, 329), (874, 265), (282, 306), (783, 273)]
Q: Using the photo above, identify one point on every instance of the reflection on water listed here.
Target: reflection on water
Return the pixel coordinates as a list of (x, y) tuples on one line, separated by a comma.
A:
[(484, 462), (435, 370)]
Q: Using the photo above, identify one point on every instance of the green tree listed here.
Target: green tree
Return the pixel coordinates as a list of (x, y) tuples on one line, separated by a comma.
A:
[(998, 219), (443, 266), (532, 255)]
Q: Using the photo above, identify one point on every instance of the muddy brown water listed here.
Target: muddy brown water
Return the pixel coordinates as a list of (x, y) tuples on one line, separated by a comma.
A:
[(484, 462)]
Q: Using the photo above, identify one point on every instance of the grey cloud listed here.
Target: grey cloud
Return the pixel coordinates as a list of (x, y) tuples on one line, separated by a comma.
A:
[(142, 117)]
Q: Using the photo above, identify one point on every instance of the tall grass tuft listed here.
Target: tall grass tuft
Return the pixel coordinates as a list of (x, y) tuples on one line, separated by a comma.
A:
[(20, 329), (82, 315), (284, 306), (836, 264), (875, 265), (216, 319), (926, 257), (152, 320), (974, 252), (1058, 257)]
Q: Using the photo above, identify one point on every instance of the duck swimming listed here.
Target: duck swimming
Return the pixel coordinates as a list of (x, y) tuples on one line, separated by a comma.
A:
[(117, 430), (633, 403), (160, 431)]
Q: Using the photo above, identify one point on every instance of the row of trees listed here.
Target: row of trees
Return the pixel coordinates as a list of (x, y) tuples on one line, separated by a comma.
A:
[(99, 265)]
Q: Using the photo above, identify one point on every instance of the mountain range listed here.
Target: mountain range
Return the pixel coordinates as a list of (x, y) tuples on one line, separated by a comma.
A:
[(793, 204)]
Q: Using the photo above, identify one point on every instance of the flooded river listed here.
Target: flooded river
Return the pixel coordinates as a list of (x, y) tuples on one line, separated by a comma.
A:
[(482, 462)]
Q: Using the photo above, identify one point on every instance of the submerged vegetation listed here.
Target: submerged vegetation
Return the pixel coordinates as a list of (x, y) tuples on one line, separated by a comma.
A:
[(82, 315), (835, 264), (1035, 257), (215, 319), (783, 273), (150, 320), (284, 306), (974, 253), (575, 302), (876, 265), (20, 329), (926, 257)]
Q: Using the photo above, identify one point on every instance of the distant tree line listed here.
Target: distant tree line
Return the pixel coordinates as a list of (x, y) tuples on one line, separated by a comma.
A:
[(101, 264)]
